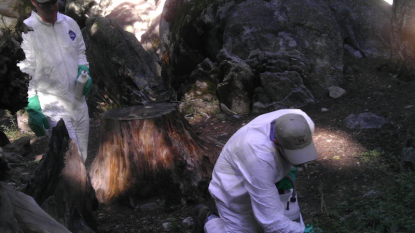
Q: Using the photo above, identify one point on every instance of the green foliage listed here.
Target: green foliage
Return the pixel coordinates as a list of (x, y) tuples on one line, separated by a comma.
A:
[(385, 206), (174, 225), (12, 132)]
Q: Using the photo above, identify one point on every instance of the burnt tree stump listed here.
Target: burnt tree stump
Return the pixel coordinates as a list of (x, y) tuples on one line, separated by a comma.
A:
[(60, 184), (146, 151)]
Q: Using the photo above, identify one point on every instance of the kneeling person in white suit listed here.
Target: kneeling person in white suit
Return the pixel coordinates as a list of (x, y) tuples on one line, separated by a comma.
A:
[(254, 159)]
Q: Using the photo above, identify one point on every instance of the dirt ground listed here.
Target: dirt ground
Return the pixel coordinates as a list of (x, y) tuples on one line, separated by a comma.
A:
[(336, 172)]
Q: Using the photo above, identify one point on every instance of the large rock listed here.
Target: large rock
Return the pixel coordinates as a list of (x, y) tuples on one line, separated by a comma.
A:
[(299, 36), (124, 73), (365, 121), (283, 90), (237, 86), (365, 26), (276, 37)]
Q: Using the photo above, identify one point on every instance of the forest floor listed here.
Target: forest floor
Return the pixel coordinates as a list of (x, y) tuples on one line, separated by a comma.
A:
[(337, 174)]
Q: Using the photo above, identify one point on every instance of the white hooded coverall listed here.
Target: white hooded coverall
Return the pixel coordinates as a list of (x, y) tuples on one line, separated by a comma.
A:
[(244, 177), (53, 53)]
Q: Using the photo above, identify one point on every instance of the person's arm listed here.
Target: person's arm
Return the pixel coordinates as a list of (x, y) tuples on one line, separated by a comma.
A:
[(37, 121), (28, 65), (81, 45), (83, 64), (259, 181)]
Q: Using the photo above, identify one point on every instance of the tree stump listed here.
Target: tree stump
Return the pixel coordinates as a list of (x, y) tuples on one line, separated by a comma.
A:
[(148, 151), (61, 186)]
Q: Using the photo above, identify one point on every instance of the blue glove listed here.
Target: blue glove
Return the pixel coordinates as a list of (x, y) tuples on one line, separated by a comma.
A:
[(37, 121), (88, 85), (285, 183), (309, 229)]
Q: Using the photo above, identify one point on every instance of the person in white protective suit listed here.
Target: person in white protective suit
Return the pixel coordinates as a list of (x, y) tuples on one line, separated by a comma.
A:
[(55, 56), (253, 160)]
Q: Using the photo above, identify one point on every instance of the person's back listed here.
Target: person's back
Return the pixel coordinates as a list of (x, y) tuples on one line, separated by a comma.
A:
[(244, 177)]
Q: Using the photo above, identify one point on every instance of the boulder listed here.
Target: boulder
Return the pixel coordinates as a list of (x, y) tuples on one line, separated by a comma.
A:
[(283, 90), (276, 37), (365, 121), (237, 86), (123, 72)]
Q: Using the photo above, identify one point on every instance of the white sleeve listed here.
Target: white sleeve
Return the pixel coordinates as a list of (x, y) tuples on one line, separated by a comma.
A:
[(259, 178), (28, 65), (81, 47)]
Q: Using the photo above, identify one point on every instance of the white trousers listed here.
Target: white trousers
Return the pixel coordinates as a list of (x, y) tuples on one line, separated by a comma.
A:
[(215, 225), (76, 121)]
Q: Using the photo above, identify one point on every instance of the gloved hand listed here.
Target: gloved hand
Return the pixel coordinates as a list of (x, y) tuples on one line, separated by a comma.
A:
[(88, 85), (37, 121), (285, 183), (309, 229)]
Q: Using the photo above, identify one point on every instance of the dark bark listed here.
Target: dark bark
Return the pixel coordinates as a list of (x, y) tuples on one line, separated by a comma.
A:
[(61, 186)]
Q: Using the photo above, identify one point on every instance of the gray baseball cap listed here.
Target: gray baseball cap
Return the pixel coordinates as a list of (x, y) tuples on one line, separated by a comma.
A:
[(294, 134)]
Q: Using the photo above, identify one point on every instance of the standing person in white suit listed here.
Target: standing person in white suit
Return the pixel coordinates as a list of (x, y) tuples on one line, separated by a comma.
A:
[(253, 160), (55, 56)]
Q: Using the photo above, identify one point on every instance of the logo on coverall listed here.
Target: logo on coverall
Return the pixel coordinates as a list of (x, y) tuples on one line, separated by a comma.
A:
[(72, 35)]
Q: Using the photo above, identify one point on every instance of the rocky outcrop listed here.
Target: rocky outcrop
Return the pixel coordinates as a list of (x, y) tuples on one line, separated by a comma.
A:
[(237, 85), (289, 52), (200, 99)]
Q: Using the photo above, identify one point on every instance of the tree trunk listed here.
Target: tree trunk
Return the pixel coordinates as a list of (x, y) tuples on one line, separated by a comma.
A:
[(60, 184), (403, 39), (147, 151)]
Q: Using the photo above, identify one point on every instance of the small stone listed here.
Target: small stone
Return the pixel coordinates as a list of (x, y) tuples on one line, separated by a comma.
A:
[(324, 110), (188, 221), (166, 226), (149, 207), (336, 92), (409, 106), (370, 193)]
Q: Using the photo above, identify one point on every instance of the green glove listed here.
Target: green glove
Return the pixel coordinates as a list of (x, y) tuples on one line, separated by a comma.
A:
[(37, 121), (285, 183), (309, 229), (88, 85)]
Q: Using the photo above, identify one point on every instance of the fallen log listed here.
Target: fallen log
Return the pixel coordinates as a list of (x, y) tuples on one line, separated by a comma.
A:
[(148, 151), (20, 213), (61, 186)]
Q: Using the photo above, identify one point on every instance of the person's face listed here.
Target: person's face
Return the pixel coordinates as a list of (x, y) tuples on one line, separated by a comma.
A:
[(47, 11)]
